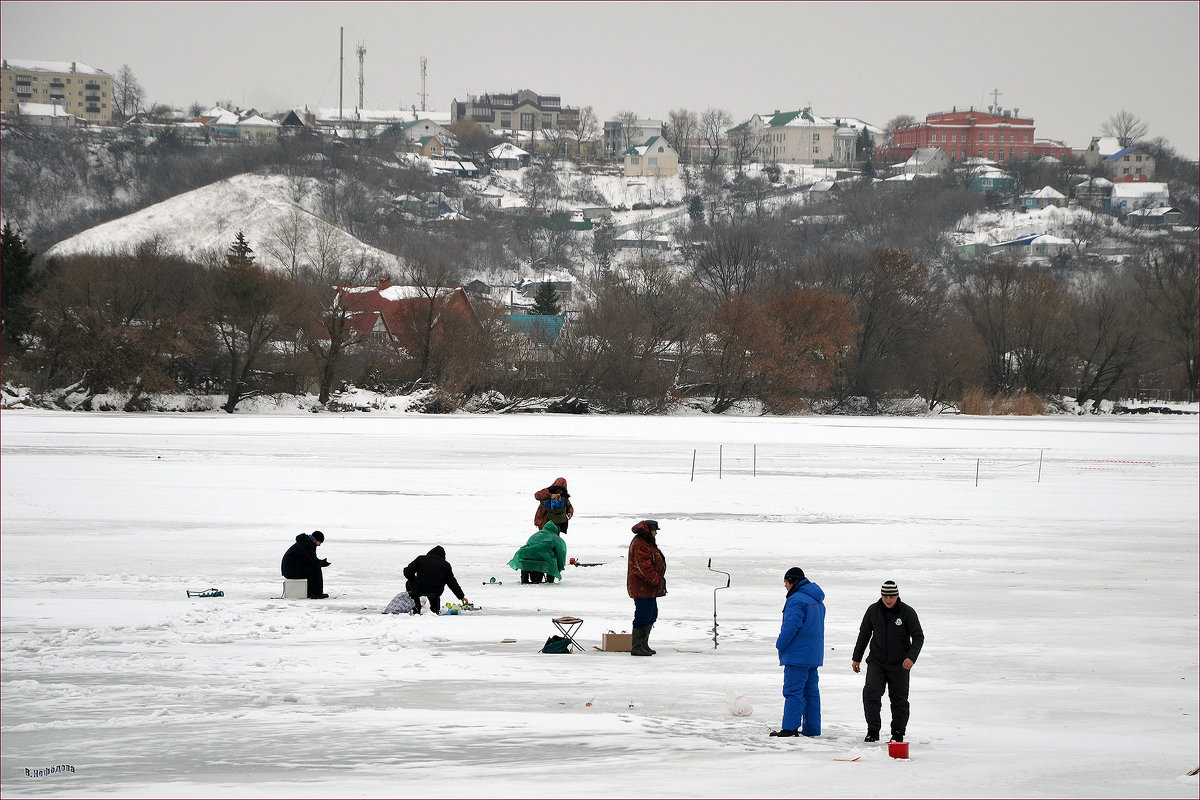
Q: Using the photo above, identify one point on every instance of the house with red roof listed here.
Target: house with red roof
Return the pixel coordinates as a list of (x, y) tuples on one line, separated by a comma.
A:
[(403, 316)]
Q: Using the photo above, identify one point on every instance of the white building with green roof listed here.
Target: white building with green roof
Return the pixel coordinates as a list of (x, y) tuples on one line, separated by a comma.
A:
[(797, 137)]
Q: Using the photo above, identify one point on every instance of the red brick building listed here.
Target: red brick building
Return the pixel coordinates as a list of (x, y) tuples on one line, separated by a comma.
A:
[(997, 135)]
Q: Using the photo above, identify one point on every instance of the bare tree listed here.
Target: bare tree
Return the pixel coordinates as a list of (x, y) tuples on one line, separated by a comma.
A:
[(329, 335), (743, 145), (474, 140), (714, 125), (730, 259), (680, 131), (1023, 318), (287, 241), (128, 96), (585, 129), (633, 337), (1125, 127), (434, 320), (1170, 283), (627, 130), (897, 122), (250, 308), (1110, 335)]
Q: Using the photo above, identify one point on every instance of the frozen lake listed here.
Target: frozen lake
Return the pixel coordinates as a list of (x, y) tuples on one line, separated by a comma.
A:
[(1053, 562)]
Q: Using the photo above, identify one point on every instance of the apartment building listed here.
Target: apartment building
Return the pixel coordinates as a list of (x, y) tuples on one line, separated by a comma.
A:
[(518, 111), (80, 90)]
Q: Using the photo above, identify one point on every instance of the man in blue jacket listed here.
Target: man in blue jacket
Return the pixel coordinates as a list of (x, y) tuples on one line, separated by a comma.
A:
[(801, 647)]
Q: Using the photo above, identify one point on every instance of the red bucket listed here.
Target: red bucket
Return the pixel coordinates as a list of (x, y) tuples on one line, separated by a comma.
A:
[(898, 749)]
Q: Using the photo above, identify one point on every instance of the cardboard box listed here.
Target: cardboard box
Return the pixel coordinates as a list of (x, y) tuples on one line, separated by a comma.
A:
[(616, 642)]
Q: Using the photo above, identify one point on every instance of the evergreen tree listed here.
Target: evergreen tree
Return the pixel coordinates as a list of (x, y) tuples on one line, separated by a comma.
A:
[(602, 246), (866, 145), (696, 210), (546, 300), (16, 280), (240, 253)]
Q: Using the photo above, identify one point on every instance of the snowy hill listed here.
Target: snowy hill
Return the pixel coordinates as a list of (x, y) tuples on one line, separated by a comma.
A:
[(207, 219)]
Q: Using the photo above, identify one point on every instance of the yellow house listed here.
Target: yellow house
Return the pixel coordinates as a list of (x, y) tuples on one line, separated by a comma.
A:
[(80, 90), (654, 159)]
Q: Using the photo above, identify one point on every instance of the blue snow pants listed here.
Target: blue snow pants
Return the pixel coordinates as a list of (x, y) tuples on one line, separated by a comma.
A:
[(801, 701)]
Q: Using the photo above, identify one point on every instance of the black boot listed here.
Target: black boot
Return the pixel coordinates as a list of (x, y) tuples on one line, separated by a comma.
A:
[(872, 736), (646, 639), (785, 732), (639, 647)]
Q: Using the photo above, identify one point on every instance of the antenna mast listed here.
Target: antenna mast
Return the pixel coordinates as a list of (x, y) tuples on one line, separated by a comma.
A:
[(341, 68), (362, 52), (423, 73)]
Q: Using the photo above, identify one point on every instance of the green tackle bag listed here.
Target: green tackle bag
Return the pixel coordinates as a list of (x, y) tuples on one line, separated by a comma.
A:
[(557, 644)]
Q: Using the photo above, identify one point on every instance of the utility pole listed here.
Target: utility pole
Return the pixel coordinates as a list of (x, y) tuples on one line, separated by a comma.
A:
[(341, 67), (423, 73), (362, 52)]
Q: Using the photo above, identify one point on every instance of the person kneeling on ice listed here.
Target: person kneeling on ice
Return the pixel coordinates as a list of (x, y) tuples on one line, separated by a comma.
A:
[(428, 576), (801, 646), (543, 556), (300, 561)]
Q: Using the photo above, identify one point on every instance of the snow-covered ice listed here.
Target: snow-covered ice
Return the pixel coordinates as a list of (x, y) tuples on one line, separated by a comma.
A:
[(1058, 592)]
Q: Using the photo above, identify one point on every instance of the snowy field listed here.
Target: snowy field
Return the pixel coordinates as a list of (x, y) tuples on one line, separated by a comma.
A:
[(1053, 562)]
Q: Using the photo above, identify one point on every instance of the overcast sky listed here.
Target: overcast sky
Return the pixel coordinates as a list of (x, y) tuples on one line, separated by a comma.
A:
[(1068, 65)]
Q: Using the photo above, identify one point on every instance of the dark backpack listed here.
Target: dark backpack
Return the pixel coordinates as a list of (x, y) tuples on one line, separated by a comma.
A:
[(557, 644)]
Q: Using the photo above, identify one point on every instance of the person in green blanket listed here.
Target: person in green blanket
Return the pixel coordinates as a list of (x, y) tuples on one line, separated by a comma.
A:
[(543, 556)]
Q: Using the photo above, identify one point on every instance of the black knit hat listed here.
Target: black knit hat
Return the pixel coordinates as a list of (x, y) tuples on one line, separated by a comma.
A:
[(320, 537), (889, 589), (794, 575)]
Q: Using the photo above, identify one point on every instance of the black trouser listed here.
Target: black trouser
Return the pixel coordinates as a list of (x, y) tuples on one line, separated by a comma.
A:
[(529, 576), (435, 602), (316, 580), (895, 678)]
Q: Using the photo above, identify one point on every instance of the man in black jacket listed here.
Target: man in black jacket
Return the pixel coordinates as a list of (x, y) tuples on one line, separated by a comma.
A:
[(300, 561), (428, 576), (895, 635)]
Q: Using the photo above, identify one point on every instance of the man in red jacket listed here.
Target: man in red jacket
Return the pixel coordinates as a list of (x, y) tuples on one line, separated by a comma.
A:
[(646, 582)]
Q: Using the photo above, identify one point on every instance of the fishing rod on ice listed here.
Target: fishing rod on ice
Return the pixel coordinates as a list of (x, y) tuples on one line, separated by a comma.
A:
[(719, 588)]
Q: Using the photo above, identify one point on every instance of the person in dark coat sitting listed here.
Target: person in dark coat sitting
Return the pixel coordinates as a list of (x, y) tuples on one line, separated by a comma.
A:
[(300, 561), (428, 576)]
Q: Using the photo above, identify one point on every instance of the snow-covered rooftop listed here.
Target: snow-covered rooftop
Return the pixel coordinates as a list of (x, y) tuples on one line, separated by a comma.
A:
[(257, 121), (42, 110), (506, 150), (1139, 189), (52, 66)]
